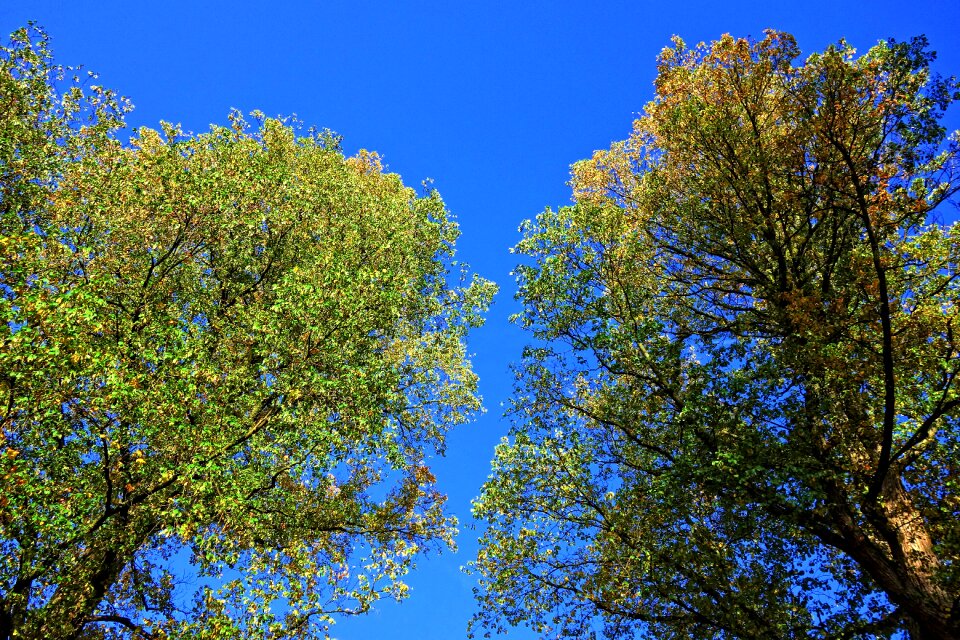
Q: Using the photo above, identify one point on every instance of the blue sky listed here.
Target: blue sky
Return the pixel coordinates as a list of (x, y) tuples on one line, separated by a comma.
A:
[(492, 100)]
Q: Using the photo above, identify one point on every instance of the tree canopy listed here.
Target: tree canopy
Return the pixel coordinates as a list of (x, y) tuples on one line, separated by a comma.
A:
[(235, 351), (738, 416)]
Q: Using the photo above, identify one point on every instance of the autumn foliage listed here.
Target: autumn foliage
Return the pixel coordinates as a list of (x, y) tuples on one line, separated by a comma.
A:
[(739, 417), (230, 353)]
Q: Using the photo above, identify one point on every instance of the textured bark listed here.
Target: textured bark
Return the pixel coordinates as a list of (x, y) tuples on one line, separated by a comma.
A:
[(900, 559)]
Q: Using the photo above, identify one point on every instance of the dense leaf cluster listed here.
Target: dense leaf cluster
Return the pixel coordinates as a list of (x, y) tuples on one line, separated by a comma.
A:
[(233, 351), (741, 415)]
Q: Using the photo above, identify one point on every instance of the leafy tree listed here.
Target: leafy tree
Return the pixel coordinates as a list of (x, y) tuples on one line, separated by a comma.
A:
[(739, 418), (234, 351)]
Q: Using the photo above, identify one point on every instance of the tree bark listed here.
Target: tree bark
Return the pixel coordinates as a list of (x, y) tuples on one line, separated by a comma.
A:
[(901, 560)]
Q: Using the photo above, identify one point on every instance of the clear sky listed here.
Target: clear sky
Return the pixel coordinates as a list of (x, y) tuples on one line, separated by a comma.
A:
[(492, 100)]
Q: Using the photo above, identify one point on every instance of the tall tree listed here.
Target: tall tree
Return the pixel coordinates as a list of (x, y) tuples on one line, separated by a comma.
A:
[(740, 415), (234, 351)]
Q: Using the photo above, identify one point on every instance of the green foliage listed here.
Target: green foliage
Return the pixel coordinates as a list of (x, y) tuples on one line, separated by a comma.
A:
[(239, 347), (740, 415)]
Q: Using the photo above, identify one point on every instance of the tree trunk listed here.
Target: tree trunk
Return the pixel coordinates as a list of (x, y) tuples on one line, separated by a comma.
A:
[(900, 558)]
